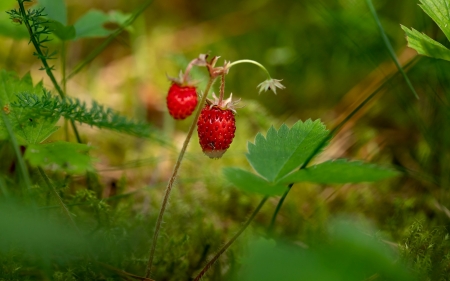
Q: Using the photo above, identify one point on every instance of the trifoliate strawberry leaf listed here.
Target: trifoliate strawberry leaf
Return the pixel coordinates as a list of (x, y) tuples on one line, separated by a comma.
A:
[(439, 11), (26, 124), (250, 182), (60, 156), (426, 46), (92, 23), (340, 171), (285, 150)]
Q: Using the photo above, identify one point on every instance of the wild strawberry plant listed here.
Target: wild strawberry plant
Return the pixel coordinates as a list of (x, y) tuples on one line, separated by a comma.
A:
[(282, 159)]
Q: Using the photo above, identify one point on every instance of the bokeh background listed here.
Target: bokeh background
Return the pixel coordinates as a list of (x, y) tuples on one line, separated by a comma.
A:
[(331, 57)]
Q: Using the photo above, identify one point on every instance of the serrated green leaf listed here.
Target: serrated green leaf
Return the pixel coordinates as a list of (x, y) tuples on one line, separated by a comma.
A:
[(250, 182), (92, 23), (26, 125), (282, 151), (340, 171), (60, 156), (55, 10), (439, 11), (426, 46)]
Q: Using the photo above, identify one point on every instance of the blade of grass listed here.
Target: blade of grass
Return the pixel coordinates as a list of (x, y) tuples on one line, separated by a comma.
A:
[(59, 199), (390, 48), (3, 188), (23, 169), (108, 40)]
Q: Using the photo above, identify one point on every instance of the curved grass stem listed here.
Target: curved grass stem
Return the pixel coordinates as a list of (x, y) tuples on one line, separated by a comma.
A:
[(173, 177), (228, 244)]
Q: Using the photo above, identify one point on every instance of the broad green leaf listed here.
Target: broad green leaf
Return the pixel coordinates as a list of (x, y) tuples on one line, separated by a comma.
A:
[(92, 23), (285, 150), (340, 171), (250, 182), (60, 156), (350, 254), (439, 11), (55, 10), (426, 46), (26, 125)]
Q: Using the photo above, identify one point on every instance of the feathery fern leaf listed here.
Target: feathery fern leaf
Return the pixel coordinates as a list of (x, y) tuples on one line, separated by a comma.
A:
[(73, 109)]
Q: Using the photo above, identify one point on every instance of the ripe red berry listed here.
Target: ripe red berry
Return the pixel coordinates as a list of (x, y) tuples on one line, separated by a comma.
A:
[(216, 128), (181, 100)]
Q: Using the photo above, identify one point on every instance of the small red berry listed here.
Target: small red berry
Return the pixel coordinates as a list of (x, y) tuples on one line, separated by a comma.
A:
[(181, 100), (216, 128)]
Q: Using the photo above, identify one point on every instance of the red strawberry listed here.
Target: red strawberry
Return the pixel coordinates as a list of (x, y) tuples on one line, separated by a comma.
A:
[(181, 100), (216, 127)]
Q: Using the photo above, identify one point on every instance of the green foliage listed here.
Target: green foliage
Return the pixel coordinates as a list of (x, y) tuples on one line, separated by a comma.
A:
[(285, 150), (427, 251), (250, 182), (92, 23), (55, 10), (60, 156), (340, 171), (31, 128), (275, 157), (99, 116), (349, 255), (25, 229), (439, 11)]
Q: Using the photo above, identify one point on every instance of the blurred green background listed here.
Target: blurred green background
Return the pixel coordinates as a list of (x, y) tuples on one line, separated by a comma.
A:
[(330, 56)]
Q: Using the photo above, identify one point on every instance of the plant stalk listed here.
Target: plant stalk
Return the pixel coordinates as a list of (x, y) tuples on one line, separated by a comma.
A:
[(59, 199), (47, 68), (22, 167), (228, 244), (252, 62), (173, 177), (108, 40)]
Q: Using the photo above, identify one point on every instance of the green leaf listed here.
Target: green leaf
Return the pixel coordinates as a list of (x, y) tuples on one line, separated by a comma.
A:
[(340, 171), (439, 11), (60, 156), (349, 254), (250, 182), (55, 10), (426, 46), (284, 150), (31, 128), (9, 28), (92, 23), (61, 31), (47, 106)]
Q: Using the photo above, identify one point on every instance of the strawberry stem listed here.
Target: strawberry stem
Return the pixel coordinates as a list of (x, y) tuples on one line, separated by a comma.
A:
[(252, 62), (173, 177), (188, 69), (222, 88)]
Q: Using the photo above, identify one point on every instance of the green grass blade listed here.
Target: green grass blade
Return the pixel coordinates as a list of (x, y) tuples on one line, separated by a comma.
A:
[(390, 48)]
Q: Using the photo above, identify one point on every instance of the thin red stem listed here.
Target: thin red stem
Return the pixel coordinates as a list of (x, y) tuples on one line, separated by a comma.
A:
[(173, 177)]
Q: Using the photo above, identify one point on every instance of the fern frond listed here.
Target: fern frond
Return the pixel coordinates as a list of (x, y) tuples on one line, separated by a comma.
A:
[(73, 109)]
